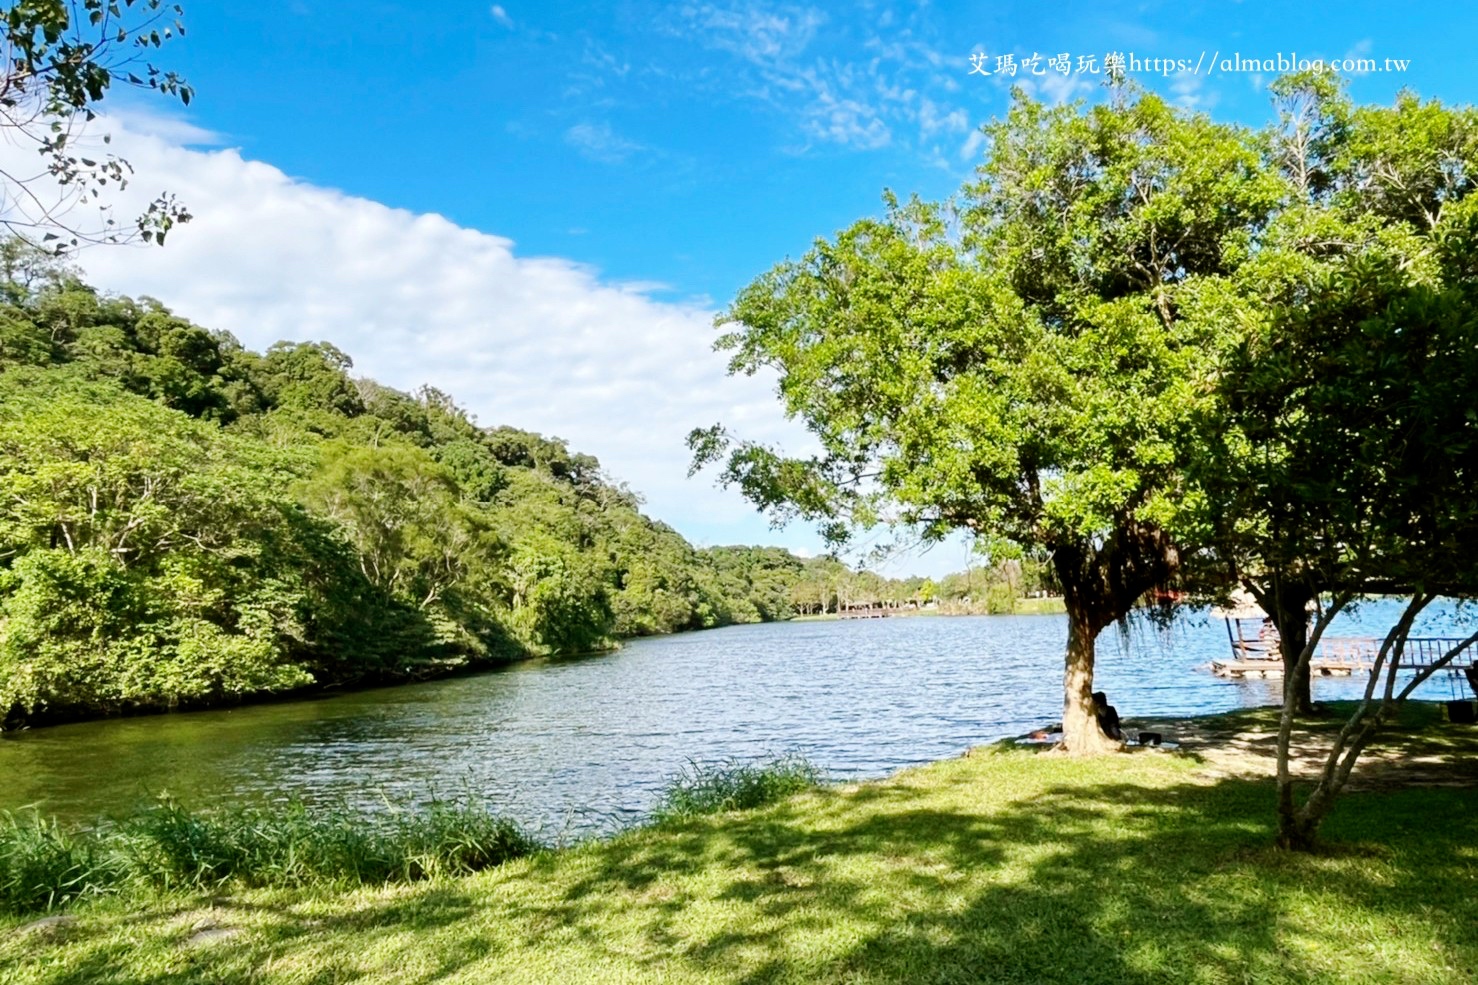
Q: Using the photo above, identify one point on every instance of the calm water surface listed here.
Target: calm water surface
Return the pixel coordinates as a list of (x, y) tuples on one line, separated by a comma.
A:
[(579, 744)]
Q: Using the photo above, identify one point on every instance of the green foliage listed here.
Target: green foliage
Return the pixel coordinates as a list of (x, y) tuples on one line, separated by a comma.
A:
[(559, 602), (732, 786), (173, 847), (140, 571), (1338, 448), (62, 58), (44, 866), (184, 522), (310, 376), (1014, 364)]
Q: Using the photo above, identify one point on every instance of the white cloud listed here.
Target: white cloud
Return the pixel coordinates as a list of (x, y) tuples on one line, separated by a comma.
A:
[(836, 115), (148, 120), (1188, 90), (934, 119), (973, 143), (1359, 52), (501, 16), (1054, 88), (599, 142), (860, 95), (756, 32), (540, 343)]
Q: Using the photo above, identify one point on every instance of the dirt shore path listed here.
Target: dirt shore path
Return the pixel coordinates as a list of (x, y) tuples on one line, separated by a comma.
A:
[(1420, 750)]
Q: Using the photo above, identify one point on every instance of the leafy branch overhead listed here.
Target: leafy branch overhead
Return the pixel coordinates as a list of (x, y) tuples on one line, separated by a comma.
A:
[(61, 60)]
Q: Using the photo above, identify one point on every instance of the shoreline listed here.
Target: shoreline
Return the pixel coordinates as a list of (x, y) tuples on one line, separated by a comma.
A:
[(1050, 606), (1038, 867), (451, 670)]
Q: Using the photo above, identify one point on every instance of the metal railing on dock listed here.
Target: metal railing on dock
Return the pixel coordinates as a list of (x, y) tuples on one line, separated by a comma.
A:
[(1342, 657)]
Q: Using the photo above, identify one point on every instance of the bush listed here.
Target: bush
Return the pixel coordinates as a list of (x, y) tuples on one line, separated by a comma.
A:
[(733, 786)]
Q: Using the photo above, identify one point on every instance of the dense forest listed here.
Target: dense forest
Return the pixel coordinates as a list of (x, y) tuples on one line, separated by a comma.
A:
[(186, 522)]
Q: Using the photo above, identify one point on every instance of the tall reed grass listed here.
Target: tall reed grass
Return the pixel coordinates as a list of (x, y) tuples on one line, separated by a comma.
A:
[(44, 866), (166, 846), (733, 786)]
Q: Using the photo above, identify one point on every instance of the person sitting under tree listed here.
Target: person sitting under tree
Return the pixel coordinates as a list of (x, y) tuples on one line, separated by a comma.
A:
[(1108, 717)]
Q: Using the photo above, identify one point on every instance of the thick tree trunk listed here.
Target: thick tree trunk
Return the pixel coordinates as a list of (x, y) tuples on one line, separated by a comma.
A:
[(1081, 734), (1101, 582), (1287, 603), (1293, 634)]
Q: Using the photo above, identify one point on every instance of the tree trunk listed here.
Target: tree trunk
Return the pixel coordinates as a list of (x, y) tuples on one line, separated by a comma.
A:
[(1081, 734), (1298, 829), (1293, 633), (1296, 834), (1286, 601), (1101, 581)]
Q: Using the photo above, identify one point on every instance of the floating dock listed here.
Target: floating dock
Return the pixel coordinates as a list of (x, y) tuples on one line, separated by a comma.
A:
[(1265, 667), (1341, 658)]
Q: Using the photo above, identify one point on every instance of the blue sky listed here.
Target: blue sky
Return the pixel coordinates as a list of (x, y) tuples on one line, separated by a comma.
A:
[(656, 156), (695, 144)]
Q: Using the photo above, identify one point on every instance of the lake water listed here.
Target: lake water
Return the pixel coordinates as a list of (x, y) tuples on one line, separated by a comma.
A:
[(574, 745)]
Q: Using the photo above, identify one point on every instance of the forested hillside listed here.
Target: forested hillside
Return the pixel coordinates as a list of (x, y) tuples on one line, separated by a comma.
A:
[(186, 522)]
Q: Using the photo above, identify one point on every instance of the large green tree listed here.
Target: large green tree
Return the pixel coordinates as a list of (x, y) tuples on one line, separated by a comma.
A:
[(1362, 421), (144, 562), (1016, 363), (1363, 190), (1336, 456)]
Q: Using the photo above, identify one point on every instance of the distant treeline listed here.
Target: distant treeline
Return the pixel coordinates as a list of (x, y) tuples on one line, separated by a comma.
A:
[(826, 585), (185, 522)]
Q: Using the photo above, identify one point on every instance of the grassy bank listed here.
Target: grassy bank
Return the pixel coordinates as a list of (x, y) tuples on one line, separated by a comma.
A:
[(1004, 866), (1040, 607), (45, 866)]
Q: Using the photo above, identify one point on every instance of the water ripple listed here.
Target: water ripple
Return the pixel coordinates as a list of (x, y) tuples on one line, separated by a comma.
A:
[(578, 745)]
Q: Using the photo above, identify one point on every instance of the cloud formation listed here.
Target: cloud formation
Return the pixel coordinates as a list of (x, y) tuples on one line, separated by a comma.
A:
[(863, 92), (540, 343), (599, 142)]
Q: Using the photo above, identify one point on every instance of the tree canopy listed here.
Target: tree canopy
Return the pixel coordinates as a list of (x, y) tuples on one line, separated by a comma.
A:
[(185, 522), (1022, 362), (1340, 446)]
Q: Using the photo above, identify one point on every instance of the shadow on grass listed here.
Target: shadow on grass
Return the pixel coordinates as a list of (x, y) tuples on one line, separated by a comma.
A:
[(284, 937), (1113, 882), (999, 868)]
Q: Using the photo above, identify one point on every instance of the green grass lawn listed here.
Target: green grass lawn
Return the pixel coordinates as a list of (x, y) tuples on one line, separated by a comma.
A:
[(1004, 866), (1040, 607)]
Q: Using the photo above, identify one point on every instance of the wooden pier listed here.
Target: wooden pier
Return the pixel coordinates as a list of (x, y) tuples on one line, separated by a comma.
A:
[(876, 612), (1342, 657)]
